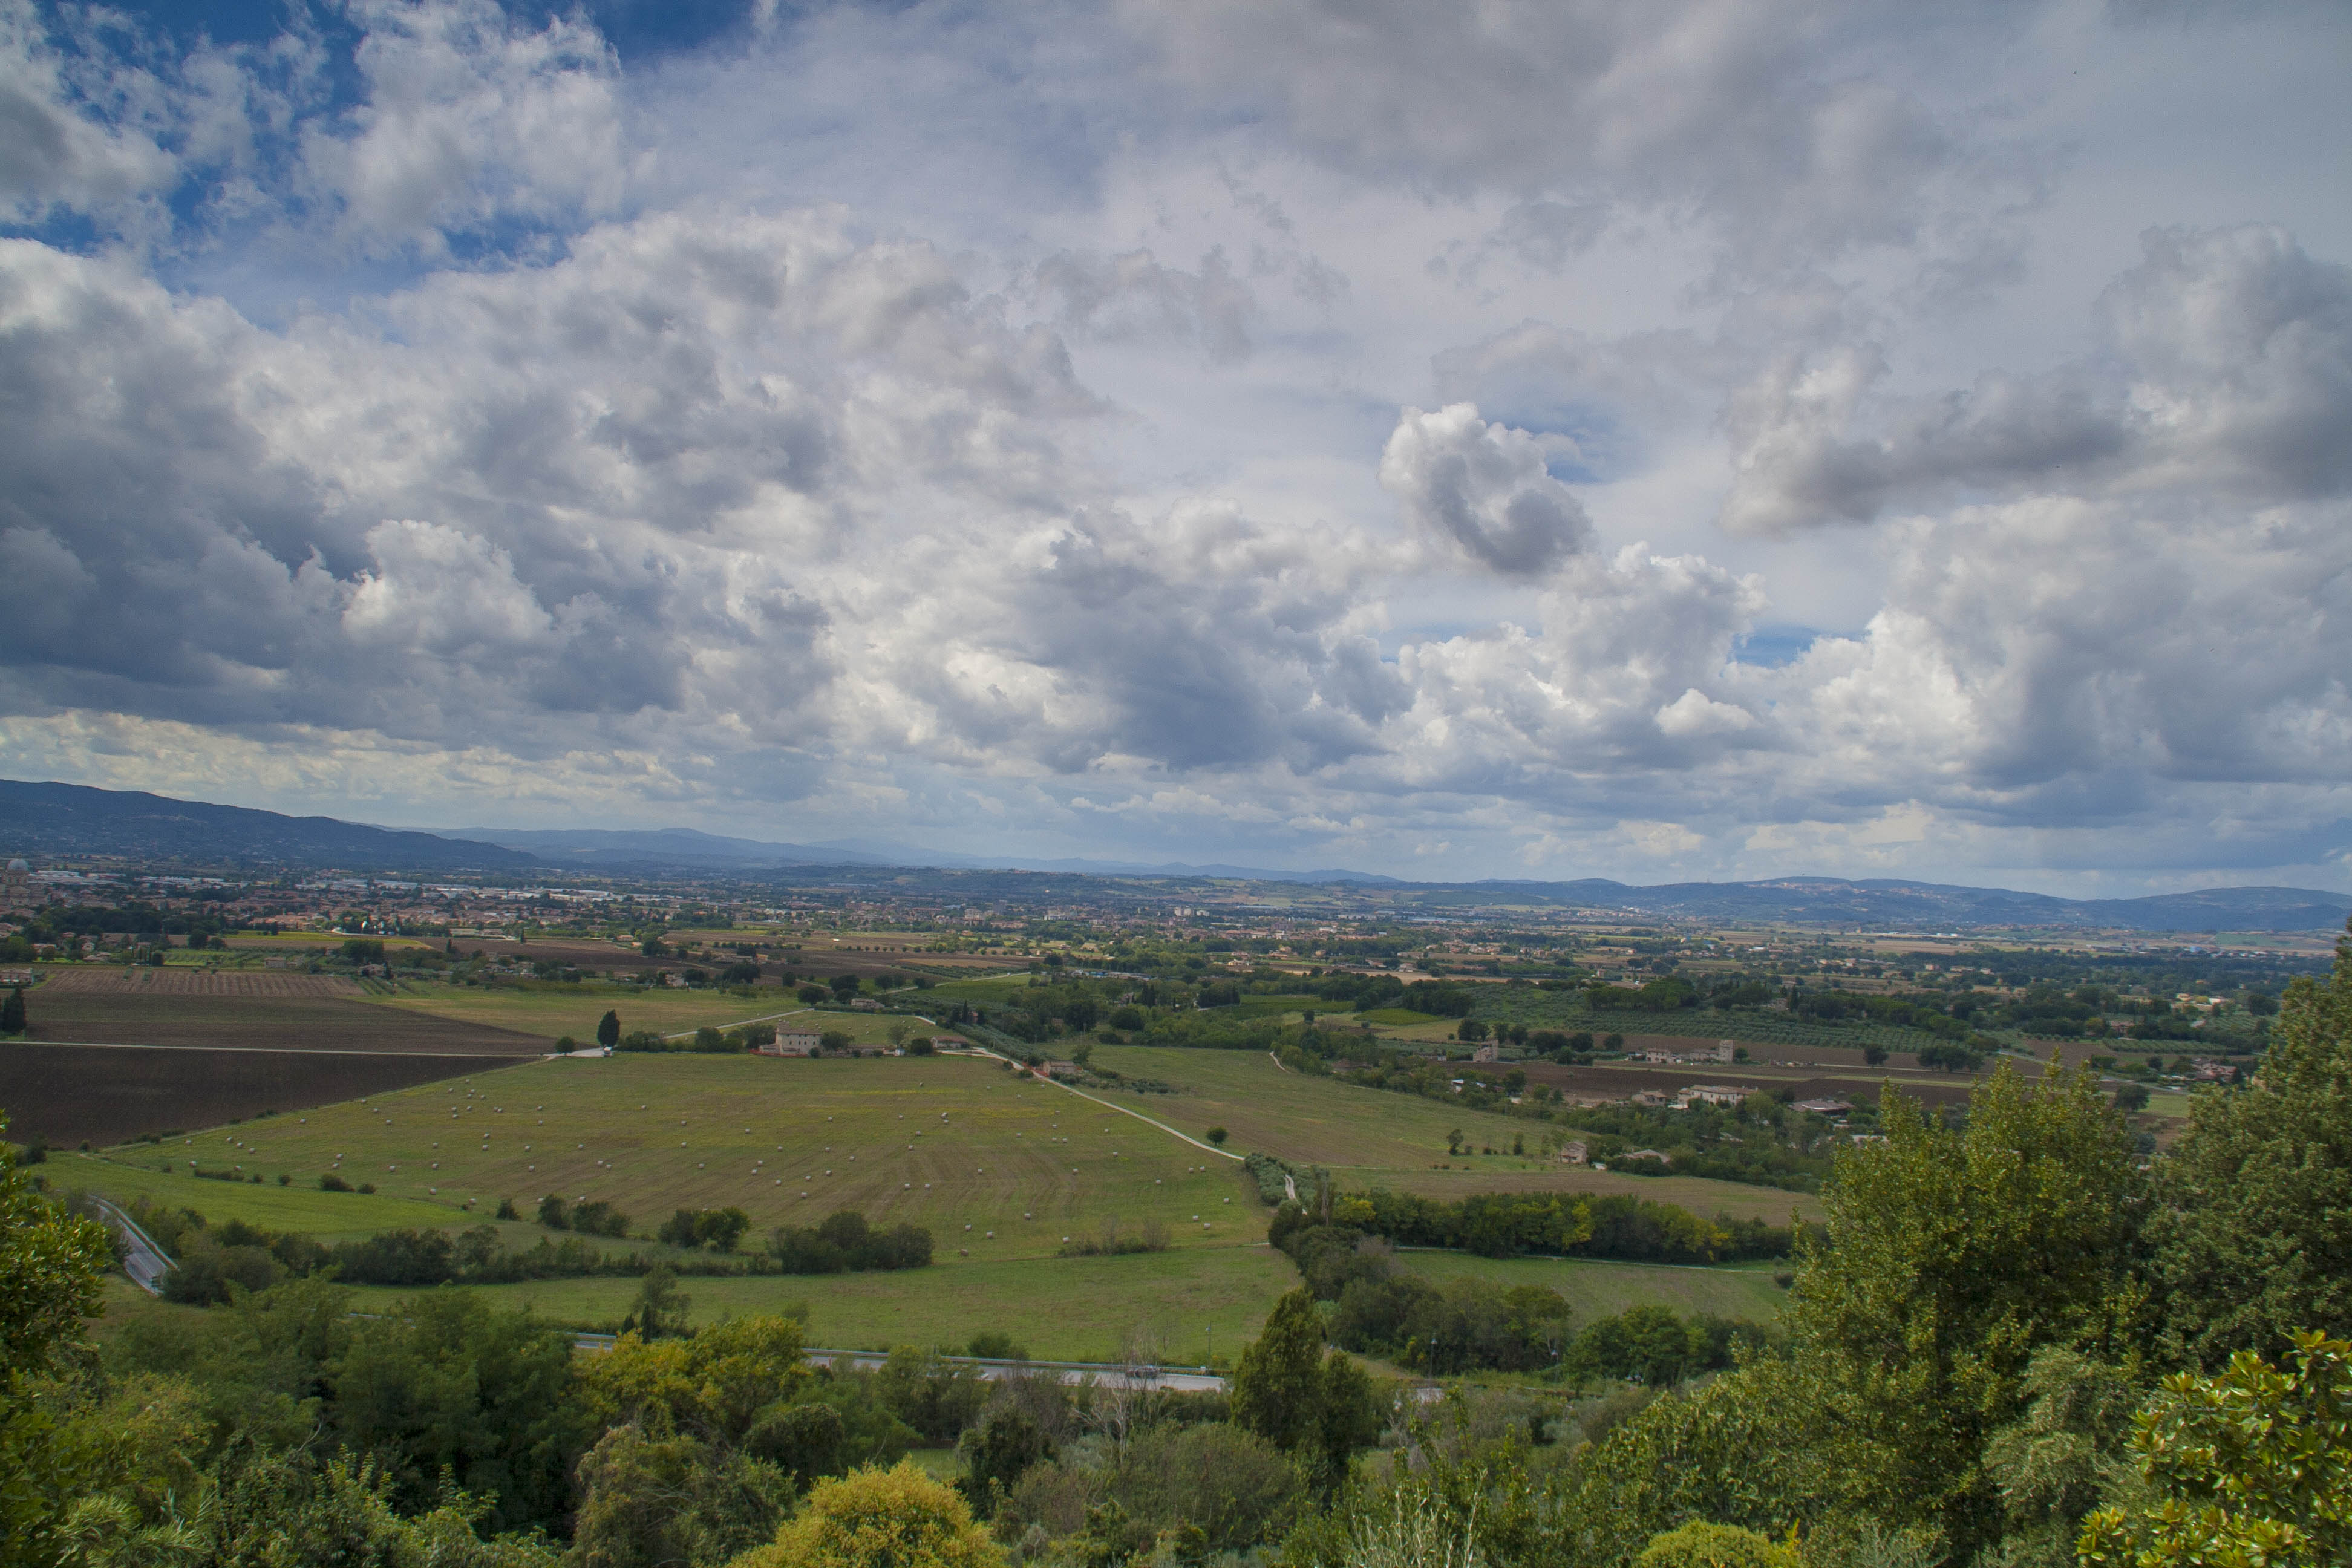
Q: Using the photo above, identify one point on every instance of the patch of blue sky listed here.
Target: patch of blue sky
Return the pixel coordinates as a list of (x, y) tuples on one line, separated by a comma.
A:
[(186, 22), (1601, 448), (1773, 646), (60, 229), (647, 30)]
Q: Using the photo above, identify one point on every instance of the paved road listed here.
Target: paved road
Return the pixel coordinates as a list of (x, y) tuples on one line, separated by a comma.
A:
[(1110, 1375), (145, 1262)]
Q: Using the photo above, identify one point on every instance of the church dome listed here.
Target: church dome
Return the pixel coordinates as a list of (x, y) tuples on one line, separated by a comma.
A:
[(18, 866)]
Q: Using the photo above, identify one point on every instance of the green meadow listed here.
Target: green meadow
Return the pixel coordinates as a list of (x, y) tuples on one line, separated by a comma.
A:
[(1179, 1306)]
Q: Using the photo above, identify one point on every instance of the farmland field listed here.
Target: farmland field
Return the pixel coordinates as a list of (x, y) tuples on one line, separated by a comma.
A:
[(132, 1173), (1599, 1287), (67, 1094), (251, 1018), (115, 1054), (1375, 1138), (550, 1011), (1066, 1309), (957, 1145), (191, 981), (1000, 1167)]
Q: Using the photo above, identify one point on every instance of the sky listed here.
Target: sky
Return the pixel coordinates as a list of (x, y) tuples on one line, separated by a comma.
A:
[(1659, 439)]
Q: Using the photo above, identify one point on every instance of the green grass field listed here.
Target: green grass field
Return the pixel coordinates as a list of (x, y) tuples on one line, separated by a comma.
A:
[(1374, 1138), (1063, 1308), (957, 1145), (1400, 1017), (131, 1172), (1000, 1167), (1599, 1287)]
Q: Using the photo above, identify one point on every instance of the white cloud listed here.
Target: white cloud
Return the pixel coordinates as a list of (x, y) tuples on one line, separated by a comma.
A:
[(2225, 366), (1225, 428), (470, 118), (55, 152)]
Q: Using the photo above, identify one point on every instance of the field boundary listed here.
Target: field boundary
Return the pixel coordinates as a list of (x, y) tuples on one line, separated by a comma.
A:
[(763, 1018), (1124, 1110), (297, 1050), (1597, 1262)]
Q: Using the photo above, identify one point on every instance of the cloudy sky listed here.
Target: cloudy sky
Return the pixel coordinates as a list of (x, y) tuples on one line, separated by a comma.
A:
[(1649, 439)]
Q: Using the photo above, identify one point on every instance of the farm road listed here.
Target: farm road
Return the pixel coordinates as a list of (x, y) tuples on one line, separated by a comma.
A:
[(145, 1262), (1110, 1105), (1107, 1375)]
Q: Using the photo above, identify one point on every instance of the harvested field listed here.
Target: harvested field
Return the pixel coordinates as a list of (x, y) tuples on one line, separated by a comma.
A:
[(257, 1023), (130, 981), (106, 1066), (101, 1095)]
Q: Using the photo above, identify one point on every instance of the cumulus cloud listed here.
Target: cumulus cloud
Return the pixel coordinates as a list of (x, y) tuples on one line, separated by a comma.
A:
[(594, 492), (2225, 367), (469, 117), (1780, 122), (1484, 489), (55, 150)]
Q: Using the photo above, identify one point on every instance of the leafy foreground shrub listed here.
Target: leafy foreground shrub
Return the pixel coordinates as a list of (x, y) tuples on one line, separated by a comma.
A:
[(898, 1517), (2253, 1466), (1407, 1536), (1701, 1545)]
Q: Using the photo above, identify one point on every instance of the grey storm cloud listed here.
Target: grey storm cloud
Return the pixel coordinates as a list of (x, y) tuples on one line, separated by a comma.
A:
[(1485, 488)]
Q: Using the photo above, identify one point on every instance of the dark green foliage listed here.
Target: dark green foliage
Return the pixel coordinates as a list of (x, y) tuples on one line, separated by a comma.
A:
[(997, 1452), (936, 1397), (1321, 1408), (1462, 1325), (453, 1385), (1652, 1345), (12, 1012), (1504, 1225), (803, 1441), (718, 1229), (659, 1311), (665, 1501), (445, 1383), (843, 1242), (994, 1344), (608, 1030), (1950, 1258), (2253, 1234)]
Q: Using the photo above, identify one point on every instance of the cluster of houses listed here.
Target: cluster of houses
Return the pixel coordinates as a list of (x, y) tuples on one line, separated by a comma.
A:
[(1721, 1051)]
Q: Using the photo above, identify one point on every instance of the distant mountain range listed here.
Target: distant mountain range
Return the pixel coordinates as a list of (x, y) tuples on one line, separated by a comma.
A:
[(74, 819), (38, 819), (1882, 904), (684, 846)]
